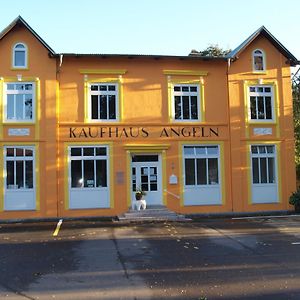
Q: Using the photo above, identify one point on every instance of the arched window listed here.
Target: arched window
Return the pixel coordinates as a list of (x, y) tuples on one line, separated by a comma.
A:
[(20, 56), (259, 63)]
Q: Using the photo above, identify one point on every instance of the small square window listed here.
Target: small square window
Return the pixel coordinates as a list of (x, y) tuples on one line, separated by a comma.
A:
[(177, 89), (75, 151)]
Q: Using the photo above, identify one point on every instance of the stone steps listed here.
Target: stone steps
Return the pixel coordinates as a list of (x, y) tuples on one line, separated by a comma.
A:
[(152, 214)]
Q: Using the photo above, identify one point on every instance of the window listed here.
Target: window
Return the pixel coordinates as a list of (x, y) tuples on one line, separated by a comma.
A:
[(186, 102), (20, 56), (258, 60), (19, 168), (201, 165), (103, 102), (19, 102), (263, 164), (261, 103), (88, 167)]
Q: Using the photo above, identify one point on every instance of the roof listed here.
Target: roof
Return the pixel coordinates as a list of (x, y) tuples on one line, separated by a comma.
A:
[(186, 57), (292, 60), (20, 21)]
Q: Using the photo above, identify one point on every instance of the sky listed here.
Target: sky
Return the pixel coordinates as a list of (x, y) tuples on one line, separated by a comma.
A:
[(161, 27)]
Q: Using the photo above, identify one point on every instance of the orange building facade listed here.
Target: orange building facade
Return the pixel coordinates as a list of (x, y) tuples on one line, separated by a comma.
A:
[(79, 133)]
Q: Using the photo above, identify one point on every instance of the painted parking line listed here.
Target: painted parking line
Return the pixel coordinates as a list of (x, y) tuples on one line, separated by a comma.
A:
[(55, 233), (296, 243)]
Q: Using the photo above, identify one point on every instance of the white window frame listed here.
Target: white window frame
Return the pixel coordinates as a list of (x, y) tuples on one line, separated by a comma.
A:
[(264, 192), (202, 194), (16, 92), (23, 50), (189, 94), (263, 94), (105, 93), (20, 198), (89, 197), (262, 56), (265, 155)]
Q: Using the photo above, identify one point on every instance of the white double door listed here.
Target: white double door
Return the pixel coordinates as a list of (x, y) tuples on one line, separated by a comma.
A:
[(146, 175)]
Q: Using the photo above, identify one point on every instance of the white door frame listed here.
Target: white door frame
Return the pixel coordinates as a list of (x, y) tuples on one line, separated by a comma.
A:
[(152, 197)]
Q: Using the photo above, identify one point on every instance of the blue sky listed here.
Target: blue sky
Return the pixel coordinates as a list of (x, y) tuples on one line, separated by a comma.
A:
[(171, 27)]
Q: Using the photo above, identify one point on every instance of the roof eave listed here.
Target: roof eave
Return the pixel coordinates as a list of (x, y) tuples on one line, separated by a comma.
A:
[(20, 20)]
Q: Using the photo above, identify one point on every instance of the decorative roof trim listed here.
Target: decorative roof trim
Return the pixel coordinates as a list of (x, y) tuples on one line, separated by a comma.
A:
[(19, 20), (292, 60)]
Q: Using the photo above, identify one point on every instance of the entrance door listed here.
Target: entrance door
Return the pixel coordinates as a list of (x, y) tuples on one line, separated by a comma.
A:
[(146, 175)]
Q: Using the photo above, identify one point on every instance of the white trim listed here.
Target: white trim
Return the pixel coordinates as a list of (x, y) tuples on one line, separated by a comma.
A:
[(262, 55), (25, 50), (13, 196), (15, 92), (106, 93), (189, 94), (89, 197), (202, 194), (266, 192), (263, 94)]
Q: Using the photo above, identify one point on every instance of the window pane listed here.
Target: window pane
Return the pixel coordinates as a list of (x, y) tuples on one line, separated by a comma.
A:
[(200, 150), (19, 106), (212, 150), (88, 173), (260, 108), (144, 158), (189, 150), (9, 174), (189, 171), (201, 171), (258, 63), (262, 149), (94, 87), (111, 87), (254, 149), (75, 151), (103, 107), (112, 106), (29, 174), (10, 107), (177, 107), (213, 177), (194, 107), (176, 88), (20, 58), (88, 151), (20, 174), (28, 106), (267, 90), (101, 176), (193, 89), (28, 152), (270, 149), (185, 107), (263, 170), (10, 152), (94, 107), (271, 167), (252, 89), (103, 88), (185, 88), (268, 108), (253, 107), (19, 152), (76, 179), (100, 151), (255, 171)]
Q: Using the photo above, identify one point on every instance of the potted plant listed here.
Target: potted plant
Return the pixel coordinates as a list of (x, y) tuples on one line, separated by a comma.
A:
[(140, 201), (295, 200)]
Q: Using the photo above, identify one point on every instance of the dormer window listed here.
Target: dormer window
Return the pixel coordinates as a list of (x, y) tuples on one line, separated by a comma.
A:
[(20, 56), (259, 63)]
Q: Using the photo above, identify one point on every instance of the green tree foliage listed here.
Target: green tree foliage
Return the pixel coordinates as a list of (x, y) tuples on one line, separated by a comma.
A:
[(211, 50), (296, 108)]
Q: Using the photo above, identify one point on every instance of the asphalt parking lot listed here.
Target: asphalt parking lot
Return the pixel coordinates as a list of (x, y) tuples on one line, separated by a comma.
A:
[(256, 258)]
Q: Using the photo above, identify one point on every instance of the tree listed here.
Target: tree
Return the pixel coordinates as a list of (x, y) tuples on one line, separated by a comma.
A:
[(296, 109), (211, 50)]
